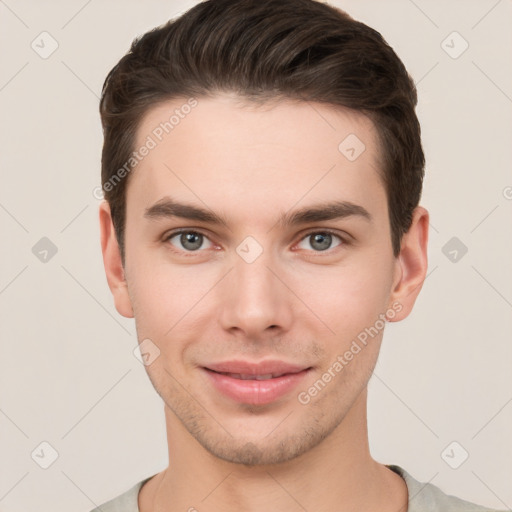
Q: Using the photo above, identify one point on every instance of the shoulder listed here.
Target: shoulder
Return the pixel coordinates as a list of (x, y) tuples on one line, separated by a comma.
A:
[(126, 502), (425, 497)]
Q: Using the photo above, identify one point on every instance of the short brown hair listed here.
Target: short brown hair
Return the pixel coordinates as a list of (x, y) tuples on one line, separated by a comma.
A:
[(262, 50)]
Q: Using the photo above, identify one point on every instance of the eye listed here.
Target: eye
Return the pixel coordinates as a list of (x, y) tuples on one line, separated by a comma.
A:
[(188, 241), (320, 241)]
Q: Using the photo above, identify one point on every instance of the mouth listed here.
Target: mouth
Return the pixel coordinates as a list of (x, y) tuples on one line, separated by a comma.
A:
[(255, 383), (253, 377)]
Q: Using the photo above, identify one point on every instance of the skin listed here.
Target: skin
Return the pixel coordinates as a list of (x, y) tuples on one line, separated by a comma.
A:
[(295, 303)]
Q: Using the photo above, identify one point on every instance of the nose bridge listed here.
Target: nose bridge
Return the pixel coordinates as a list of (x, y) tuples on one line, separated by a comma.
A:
[(254, 298)]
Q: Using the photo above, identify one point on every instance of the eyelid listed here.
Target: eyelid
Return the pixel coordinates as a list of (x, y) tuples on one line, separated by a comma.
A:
[(178, 231), (171, 234), (345, 239)]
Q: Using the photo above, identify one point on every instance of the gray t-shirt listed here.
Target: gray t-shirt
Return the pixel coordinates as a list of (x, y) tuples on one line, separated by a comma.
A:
[(422, 498)]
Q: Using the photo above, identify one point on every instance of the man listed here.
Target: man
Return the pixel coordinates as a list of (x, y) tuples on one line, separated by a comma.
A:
[(262, 169)]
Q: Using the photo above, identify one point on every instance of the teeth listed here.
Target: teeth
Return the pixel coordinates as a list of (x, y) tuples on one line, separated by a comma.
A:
[(251, 377), (264, 377)]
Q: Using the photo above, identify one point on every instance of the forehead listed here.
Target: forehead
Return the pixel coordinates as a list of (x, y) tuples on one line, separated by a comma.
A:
[(231, 151), (293, 124)]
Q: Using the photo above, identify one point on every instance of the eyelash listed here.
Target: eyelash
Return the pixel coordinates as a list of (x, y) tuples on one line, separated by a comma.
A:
[(344, 240)]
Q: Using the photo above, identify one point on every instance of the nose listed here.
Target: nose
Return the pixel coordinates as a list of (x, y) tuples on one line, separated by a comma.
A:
[(255, 303)]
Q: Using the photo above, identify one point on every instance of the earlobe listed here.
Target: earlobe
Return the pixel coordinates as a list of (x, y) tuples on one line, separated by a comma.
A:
[(411, 265), (114, 270)]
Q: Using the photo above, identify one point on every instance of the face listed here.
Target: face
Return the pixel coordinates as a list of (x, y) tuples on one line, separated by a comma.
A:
[(259, 263)]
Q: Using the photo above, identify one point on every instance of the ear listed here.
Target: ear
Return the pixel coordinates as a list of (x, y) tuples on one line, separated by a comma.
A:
[(410, 266), (112, 262)]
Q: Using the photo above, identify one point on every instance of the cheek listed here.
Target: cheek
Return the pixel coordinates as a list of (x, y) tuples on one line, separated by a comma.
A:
[(347, 298), (167, 298)]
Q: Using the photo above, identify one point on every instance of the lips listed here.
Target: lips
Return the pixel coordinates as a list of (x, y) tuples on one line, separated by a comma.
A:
[(255, 383), (252, 377), (251, 370)]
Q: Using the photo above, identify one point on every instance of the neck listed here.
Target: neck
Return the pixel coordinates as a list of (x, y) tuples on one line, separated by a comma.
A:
[(337, 474)]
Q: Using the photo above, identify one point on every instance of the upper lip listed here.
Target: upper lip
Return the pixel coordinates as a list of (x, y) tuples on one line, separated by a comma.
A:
[(268, 367)]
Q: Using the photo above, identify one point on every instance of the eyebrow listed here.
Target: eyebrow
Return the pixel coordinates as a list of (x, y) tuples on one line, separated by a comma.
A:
[(169, 208)]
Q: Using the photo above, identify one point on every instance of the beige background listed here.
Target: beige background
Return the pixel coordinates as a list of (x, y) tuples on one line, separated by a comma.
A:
[(68, 375)]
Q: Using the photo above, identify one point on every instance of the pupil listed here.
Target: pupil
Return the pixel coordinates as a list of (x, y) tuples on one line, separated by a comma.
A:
[(191, 241), (323, 240)]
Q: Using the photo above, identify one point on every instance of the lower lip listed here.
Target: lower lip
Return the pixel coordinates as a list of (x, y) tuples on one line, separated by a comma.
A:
[(255, 392)]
